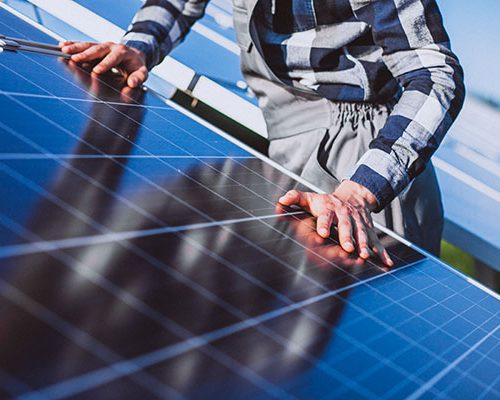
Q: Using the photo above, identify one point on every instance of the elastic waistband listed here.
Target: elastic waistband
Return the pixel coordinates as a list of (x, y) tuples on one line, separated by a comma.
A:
[(344, 111), (302, 116)]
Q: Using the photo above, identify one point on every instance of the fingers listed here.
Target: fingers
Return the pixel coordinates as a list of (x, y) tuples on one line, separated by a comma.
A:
[(92, 53), (344, 227), (137, 77), (380, 251), (361, 236), (64, 43), (113, 58), (354, 224), (295, 197), (324, 223), (75, 47), (366, 239)]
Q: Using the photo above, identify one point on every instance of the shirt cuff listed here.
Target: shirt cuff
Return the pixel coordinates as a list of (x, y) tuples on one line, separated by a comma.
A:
[(381, 174)]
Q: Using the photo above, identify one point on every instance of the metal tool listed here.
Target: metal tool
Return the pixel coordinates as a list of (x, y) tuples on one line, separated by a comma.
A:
[(16, 44)]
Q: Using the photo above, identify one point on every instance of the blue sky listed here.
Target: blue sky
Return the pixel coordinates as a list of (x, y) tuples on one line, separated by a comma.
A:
[(474, 28)]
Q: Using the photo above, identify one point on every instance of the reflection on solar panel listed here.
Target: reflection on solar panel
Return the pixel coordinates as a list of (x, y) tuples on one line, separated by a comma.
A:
[(142, 257)]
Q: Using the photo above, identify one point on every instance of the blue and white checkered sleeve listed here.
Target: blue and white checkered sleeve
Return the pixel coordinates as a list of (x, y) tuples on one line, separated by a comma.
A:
[(416, 50), (160, 25)]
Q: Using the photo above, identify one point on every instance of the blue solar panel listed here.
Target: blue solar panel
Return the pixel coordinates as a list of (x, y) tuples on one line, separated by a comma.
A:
[(142, 257)]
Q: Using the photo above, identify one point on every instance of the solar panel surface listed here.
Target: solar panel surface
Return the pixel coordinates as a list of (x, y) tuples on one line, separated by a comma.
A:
[(142, 256)]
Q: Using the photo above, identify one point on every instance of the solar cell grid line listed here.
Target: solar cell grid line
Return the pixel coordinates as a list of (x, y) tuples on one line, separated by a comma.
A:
[(249, 243), (96, 183), (368, 372), (44, 246), (447, 183), (101, 351), (495, 383), (28, 156), (160, 136), (410, 316), (75, 99), (437, 377), (465, 373), (297, 348), (375, 367)]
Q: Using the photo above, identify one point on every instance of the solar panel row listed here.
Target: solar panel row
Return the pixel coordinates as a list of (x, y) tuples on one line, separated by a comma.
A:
[(142, 255)]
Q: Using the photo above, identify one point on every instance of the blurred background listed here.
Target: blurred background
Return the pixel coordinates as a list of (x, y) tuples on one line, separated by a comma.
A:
[(475, 32), (203, 75)]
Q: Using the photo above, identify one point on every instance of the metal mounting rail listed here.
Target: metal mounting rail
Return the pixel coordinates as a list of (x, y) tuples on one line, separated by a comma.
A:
[(16, 44)]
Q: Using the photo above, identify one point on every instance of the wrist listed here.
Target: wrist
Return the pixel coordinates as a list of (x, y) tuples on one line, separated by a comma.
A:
[(139, 54), (357, 195)]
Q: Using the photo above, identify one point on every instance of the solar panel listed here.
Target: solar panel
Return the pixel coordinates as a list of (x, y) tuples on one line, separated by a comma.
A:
[(142, 256)]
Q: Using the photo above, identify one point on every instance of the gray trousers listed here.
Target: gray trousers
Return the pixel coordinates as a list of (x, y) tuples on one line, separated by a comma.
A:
[(324, 156)]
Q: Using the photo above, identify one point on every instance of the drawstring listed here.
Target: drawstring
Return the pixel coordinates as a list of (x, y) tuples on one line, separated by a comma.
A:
[(273, 7)]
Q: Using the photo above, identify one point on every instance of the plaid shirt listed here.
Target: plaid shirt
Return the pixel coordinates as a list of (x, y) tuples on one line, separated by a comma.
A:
[(347, 50)]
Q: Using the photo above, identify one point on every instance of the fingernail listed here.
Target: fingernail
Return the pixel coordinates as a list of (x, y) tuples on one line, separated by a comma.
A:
[(323, 232), (348, 246), (364, 253)]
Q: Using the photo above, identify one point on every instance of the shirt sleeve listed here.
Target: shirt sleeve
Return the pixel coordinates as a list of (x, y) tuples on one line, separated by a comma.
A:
[(417, 51), (160, 25)]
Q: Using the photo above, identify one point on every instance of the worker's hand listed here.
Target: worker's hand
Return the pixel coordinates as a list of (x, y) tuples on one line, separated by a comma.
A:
[(349, 208), (129, 61), (320, 251)]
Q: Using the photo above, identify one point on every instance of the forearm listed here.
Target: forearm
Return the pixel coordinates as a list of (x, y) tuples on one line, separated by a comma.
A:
[(416, 50), (431, 101), (160, 25)]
